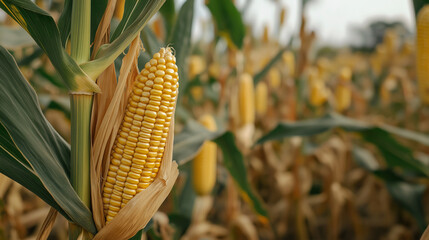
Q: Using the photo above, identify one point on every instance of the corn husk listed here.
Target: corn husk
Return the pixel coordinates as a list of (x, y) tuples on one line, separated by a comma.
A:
[(145, 204)]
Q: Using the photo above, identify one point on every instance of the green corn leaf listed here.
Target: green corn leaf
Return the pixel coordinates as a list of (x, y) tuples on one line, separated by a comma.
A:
[(228, 21), (188, 142), (395, 153), (64, 23), (150, 42), (16, 167), (31, 18), (131, 12), (181, 40), (169, 13), (98, 7), (408, 195), (109, 52), (46, 153), (233, 160)]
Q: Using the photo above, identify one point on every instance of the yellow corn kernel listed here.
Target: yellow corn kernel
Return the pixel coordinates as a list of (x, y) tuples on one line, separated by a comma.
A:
[(204, 164), (261, 97), (423, 53), (137, 153), (289, 60), (246, 97), (274, 78)]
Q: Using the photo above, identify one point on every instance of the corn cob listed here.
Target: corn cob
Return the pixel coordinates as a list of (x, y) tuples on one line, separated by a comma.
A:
[(246, 99), (423, 53), (274, 78), (318, 92), (197, 65), (261, 98), (289, 60), (204, 164), (343, 94), (139, 146)]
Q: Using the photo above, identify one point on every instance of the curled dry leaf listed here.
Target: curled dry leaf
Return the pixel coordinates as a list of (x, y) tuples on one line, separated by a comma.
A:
[(4, 184), (246, 227), (47, 225), (161, 223)]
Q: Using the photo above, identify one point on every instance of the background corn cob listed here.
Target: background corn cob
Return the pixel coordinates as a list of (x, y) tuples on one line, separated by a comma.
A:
[(246, 99), (139, 145), (423, 53), (343, 94), (274, 77), (204, 164), (289, 60), (261, 98), (318, 91)]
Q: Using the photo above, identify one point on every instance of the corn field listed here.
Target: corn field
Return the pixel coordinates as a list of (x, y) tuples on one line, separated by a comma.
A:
[(118, 122)]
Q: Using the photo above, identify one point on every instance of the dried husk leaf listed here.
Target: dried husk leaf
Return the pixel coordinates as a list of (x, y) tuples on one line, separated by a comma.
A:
[(47, 225), (145, 204), (107, 80), (105, 136)]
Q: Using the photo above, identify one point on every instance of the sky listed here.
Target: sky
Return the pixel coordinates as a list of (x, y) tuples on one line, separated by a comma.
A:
[(331, 19)]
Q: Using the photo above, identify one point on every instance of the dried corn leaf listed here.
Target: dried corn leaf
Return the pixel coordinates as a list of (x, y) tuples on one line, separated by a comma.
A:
[(4, 184), (47, 225)]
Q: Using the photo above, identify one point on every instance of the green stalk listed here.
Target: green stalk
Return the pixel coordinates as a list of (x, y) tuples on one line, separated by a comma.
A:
[(81, 31), (81, 106)]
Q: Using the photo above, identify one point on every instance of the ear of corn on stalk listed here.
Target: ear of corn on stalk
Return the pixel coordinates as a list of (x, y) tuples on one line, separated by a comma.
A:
[(318, 91), (423, 53), (246, 99), (274, 78), (343, 94), (204, 164), (196, 66), (261, 98), (139, 146), (289, 60)]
